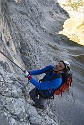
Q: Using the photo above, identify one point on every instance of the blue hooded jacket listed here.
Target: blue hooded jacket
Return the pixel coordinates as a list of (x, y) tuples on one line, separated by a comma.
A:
[(46, 84)]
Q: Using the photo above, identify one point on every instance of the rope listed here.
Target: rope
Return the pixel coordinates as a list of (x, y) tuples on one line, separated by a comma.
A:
[(11, 61)]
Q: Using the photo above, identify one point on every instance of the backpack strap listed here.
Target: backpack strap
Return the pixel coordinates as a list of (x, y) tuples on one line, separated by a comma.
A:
[(44, 76), (55, 76)]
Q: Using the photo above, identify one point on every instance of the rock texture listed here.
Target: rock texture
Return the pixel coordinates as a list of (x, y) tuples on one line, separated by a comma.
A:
[(29, 36)]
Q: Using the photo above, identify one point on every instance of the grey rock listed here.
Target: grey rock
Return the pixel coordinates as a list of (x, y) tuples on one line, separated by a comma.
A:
[(29, 36)]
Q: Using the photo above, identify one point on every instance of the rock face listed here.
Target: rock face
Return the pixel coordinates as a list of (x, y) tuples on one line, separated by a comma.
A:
[(29, 36)]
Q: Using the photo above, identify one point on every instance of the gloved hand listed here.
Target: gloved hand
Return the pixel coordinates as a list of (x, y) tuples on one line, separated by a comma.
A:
[(26, 74)]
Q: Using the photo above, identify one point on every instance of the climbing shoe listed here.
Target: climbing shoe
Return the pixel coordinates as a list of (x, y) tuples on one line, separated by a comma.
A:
[(39, 106)]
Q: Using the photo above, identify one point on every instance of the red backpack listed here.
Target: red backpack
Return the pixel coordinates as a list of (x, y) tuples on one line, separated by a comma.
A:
[(66, 82)]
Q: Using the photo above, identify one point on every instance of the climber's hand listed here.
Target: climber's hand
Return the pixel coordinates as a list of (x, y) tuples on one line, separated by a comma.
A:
[(26, 74)]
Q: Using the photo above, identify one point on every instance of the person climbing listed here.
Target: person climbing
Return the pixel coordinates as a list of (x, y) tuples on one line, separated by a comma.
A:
[(45, 87)]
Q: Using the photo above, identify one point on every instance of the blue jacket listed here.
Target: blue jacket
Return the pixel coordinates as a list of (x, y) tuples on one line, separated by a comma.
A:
[(46, 84)]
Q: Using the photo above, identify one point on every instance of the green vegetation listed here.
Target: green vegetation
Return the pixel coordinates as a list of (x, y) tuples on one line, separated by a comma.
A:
[(75, 5)]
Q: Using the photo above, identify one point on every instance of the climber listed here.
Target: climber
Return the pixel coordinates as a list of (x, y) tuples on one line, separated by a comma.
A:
[(49, 83)]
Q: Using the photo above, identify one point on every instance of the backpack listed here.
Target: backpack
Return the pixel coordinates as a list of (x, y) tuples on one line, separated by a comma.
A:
[(66, 82)]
